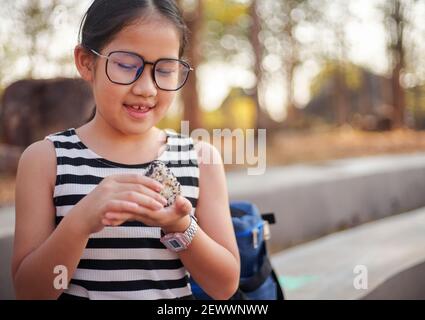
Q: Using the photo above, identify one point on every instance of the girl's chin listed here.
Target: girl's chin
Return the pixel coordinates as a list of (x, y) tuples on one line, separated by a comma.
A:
[(135, 130), (131, 126)]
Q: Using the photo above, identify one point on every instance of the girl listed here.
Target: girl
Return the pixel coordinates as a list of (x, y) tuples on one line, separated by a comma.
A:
[(84, 208)]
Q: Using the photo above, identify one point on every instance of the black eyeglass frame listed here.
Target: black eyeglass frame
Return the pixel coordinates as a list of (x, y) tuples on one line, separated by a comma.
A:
[(139, 72)]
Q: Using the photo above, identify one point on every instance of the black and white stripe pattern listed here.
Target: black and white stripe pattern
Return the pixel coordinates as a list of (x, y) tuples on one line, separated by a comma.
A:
[(128, 261)]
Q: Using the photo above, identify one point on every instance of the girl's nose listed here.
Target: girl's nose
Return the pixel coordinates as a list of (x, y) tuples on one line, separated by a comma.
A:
[(145, 85)]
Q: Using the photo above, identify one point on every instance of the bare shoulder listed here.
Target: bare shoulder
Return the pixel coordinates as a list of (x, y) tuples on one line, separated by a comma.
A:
[(40, 148), (43, 150), (39, 159), (208, 156)]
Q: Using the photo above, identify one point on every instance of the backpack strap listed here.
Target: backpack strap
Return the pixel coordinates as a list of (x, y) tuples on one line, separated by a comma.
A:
[(253, 283), (258, 278), (279, 290), (236, 212)]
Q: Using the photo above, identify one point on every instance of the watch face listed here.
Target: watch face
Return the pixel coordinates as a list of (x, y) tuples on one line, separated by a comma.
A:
[(175, 243)]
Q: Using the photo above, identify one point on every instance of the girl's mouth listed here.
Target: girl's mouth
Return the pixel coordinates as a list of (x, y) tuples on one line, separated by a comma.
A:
[(137, 111)]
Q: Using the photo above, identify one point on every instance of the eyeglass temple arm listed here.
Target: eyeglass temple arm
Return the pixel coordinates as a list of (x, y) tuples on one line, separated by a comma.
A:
[(98, 54)]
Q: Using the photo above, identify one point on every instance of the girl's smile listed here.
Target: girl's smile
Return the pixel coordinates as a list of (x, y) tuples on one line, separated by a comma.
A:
[(138, 111)]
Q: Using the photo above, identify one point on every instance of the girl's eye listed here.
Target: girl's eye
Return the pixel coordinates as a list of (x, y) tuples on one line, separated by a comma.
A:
[(165, 72), (126, 66)]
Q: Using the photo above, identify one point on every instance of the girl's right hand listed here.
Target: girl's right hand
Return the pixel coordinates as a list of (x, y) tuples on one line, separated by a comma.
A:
[(118, 193)]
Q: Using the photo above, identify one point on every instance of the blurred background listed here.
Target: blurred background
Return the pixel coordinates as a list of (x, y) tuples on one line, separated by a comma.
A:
[(338, 84)]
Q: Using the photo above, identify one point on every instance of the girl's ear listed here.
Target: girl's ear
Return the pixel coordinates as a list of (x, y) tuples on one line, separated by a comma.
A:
[(84, 61)]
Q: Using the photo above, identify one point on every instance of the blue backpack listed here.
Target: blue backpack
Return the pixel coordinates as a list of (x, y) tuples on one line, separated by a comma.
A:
[(258, 281)]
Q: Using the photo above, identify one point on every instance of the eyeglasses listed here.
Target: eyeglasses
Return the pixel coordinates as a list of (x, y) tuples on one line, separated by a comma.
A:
[(125, 68)]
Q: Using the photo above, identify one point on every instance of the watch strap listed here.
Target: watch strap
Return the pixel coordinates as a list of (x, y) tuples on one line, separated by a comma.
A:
[(187, 235), (191, 230)]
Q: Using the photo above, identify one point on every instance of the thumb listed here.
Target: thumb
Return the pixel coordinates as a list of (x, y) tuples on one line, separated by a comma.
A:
[(183, 205)]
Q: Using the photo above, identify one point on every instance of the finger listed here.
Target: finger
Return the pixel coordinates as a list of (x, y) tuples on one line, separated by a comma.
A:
[(116, 223), (143, 190), (183, 205), (140, 199), (139, 213), (106, 222), (119, 216), (138, 179), (118, 205), (126, 216), (112, 222)]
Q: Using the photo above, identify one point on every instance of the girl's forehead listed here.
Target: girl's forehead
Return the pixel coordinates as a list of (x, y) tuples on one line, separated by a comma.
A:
[(152, 39)]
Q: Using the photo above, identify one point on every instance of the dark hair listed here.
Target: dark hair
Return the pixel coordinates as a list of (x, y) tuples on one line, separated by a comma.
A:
[(105, 18)]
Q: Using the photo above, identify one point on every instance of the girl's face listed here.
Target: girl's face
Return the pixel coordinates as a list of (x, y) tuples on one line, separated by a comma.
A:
[(152, 39)]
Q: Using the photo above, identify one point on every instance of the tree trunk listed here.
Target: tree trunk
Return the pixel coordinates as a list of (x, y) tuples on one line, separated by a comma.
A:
[(398, 61), (341, 99), (191, 109), (290, 64), (258, 54)]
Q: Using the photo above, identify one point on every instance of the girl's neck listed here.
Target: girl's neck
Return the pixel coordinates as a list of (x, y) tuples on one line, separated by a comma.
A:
[(104, 131), (119, 147)]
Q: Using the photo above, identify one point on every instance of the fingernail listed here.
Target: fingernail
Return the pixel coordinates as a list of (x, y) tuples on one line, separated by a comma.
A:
[(163, 200)]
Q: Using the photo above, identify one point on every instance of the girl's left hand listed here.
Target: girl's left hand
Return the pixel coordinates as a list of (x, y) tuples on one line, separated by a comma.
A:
[(174, 218)]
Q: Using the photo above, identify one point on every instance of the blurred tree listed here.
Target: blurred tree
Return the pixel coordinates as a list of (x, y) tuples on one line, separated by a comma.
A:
[(8, 52), (263, 36), (220, 31), (29, 28), (233, 36), (368, 96), (396, 15), (352, 81), (332, 18), (238, 110), (292, 46), (227, 29), (37, 19), (331, 47), (194, 17), (396, 24), (340, 103), (257, 48), (7, 59), (415, 104), (288, 15), (281, 47)]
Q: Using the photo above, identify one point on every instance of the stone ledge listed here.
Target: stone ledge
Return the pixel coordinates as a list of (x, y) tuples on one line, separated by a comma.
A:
[(324, 268)]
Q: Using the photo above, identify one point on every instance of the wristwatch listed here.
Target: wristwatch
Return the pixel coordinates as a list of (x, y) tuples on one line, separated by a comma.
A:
[(180, 241)]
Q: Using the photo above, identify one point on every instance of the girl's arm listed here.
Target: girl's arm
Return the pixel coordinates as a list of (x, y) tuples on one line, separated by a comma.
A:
[(38, 246), (213, 257)]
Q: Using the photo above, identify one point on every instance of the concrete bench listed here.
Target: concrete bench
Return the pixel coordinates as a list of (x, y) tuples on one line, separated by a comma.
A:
[(391, 249)]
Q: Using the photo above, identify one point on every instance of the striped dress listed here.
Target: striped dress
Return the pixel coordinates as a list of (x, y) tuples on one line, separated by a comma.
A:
[(127, 261)]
